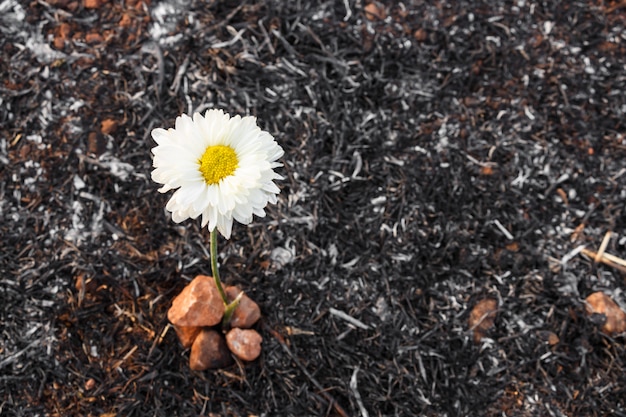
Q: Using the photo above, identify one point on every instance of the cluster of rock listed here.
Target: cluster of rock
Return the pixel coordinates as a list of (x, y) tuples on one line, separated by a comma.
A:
[(613, 318), (197, 314)]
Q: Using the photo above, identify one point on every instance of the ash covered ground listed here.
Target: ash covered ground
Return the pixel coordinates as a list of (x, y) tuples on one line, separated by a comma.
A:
[(437, 154)]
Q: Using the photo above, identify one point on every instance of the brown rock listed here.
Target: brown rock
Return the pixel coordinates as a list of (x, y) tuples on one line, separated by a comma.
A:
[(108, 126), (65, 30), (62, 35), (96, 143), (125, 21), (244, 343), (600, 303), (553, 339), (420, 35), (374, 11), (209, 351), (90, 384), (549, 337), (199, 304), (247, 312), (187, 334), (92, 4), (59, 43), (482, 317), (93, 37)]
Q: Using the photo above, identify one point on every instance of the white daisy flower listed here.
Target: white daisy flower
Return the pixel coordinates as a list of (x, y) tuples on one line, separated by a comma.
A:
[(221, 166)]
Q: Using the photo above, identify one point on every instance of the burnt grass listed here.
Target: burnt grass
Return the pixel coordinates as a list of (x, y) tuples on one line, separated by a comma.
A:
[(436, 154)]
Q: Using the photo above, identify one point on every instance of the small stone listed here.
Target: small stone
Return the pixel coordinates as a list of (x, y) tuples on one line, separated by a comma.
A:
[(95, 143), (247, 312), (108, 126), (600, 303), (420, 35), (65, 30), (93, 37), (187, 334), (553, 339), (482, 317), (374, 11), (244, 343), (92, 4), (549, 337), (90, 384), (59, 43), (209, 351), (125, 20), (199, 304), (62, 35)]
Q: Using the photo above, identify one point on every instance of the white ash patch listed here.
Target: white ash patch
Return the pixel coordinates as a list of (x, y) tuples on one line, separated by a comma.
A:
[(381, 309), (13, 24), (4, 155), (166, 17), (84, 229), (283, 255), (119, 169)]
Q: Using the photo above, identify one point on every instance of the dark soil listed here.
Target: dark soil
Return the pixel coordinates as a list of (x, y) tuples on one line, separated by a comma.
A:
[(437, 153)]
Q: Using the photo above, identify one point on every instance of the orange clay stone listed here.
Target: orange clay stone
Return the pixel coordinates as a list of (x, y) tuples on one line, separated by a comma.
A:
[(209, 351), (186, 334), (244, 343), (92, 4), (199, 304), (247, 312), (108, 126), (482, 317), (600, 303)]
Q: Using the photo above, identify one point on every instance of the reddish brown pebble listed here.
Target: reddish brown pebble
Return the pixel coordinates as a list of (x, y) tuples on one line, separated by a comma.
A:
[(553, 339), (186, 335), (375, 11), (62, 35), (58, 43), (108, 126), (65, 30), (482, 317), (247, 312), (90, 384), (209, 351), (244, 343), (420, 35), (549, 337), (92, 4), (600, 303), (199, 304), (125, 21), (92, 38)]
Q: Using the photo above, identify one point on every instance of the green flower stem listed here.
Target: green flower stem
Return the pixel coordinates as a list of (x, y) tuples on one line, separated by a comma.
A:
[(216, 273), (230, 309)]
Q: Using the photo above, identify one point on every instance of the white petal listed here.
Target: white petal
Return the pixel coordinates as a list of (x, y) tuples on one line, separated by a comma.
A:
[(239, 196)]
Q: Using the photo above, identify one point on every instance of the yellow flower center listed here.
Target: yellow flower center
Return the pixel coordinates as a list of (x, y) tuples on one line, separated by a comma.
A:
[(218, 162)]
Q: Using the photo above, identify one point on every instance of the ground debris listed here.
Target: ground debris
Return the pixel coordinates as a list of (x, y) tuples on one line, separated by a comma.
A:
[(437, 154)]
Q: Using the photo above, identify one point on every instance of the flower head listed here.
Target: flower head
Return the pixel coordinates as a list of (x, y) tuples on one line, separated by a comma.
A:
[(222, 168)]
